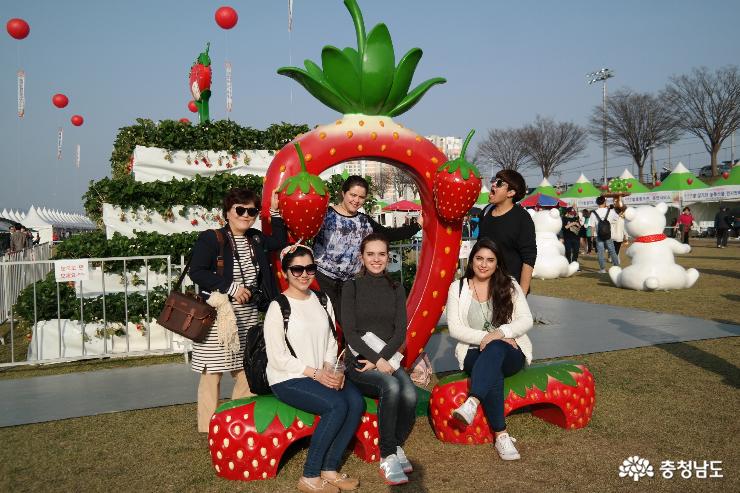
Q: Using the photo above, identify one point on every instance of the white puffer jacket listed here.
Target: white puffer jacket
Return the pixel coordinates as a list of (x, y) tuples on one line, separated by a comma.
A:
[(458, 304)]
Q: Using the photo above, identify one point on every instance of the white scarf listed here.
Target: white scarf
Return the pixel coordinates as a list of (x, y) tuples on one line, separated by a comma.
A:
[(228, 335)]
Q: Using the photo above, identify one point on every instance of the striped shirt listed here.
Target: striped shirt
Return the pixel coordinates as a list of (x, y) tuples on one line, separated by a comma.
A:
[(209, 356)]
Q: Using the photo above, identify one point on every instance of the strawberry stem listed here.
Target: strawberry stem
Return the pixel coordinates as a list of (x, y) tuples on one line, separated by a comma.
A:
[(300, 156), (465, 144), (356, 13)]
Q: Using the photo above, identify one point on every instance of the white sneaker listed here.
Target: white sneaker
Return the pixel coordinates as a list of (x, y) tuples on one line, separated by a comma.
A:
[(391, 471), (602, 271), (466, 412), (505, 447), (405, 463)]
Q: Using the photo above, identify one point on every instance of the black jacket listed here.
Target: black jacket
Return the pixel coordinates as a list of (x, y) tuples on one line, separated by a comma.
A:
[(205, 251)]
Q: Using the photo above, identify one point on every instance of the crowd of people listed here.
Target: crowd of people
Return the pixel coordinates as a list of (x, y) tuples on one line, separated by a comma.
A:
[(311, 369), (20, 238), (348, 262)]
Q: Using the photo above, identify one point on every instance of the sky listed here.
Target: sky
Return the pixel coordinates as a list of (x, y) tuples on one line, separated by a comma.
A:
[(505, 63)]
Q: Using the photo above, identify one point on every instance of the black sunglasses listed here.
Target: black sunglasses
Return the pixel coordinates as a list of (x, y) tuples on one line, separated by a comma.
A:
[(252, 211), (298, 270), (498, 183)]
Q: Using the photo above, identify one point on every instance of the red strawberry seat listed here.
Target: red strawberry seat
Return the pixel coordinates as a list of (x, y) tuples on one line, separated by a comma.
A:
[(247, 437), (561, 393)]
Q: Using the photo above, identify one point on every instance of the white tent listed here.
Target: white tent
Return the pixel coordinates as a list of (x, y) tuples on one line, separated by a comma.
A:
[(34, 220)]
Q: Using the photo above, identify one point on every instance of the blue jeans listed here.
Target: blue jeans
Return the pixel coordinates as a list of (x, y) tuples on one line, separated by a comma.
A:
[(396, 406), (600, 245), (487, 370), (340, 413)]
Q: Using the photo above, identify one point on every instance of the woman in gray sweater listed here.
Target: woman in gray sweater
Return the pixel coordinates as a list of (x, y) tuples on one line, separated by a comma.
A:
[(374, 324)]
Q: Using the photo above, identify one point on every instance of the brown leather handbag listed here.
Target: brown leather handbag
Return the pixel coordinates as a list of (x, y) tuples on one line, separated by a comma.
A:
[(188, 314)]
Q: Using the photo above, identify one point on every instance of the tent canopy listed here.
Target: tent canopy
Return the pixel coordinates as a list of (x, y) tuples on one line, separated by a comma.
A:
[(633, 184), (402, 205), (680, 179), (582, 188)]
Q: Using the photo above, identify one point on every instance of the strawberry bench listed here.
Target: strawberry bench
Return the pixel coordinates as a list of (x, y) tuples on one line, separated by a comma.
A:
[(247, 437), (561, 393)]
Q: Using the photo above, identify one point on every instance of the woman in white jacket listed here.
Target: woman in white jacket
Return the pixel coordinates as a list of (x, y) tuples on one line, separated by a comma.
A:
[(488, 314)]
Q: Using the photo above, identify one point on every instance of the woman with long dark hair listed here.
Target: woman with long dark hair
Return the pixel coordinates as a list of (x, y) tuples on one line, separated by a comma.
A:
[(237, 275), (300, 364), (488, 314), (374, 324)]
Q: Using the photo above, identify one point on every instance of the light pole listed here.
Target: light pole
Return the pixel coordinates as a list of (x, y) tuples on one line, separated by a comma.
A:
[(602, 75)]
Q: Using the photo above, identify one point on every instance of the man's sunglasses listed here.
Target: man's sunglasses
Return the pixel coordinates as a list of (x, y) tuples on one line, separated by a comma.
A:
[(252, 211), (498, 183), (298, 270)]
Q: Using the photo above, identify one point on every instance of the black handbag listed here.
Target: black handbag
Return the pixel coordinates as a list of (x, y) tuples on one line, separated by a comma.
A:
[(188, 314)]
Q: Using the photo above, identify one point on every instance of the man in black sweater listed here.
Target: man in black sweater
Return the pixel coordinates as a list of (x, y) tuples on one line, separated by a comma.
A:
[(510, 226)]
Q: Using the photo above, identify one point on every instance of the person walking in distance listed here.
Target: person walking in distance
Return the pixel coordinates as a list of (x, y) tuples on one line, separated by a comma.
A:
[(602, 221)]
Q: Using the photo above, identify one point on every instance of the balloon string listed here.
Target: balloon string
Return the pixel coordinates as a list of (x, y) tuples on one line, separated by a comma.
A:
[(290, 64)]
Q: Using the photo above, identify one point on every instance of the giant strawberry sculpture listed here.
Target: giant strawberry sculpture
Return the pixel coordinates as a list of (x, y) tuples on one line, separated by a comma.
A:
[(454, 191), (303, 199), (366, 86)]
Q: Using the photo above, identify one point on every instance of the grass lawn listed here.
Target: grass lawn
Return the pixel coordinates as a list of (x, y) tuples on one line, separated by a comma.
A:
[(715, 296), (670, 402)]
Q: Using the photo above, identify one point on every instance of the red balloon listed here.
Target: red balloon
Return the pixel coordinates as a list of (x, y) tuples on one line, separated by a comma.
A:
[(184, 120), (59, 100), (77, 120), (192, 106), (226, 17), (725, 175), (689, 180), (18, 28), (629, 185), (580, 190)]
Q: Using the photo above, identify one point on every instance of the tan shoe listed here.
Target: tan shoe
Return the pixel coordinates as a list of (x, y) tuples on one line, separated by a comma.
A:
[(323, 487), (343, 482)]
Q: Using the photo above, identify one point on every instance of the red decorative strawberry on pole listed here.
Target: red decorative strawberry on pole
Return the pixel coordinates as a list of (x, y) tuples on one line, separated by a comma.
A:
[(456, 186), (200, 83), (368, 88), (303, 200)]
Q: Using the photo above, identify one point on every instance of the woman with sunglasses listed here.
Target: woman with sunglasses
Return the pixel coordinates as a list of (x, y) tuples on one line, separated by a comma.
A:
[(243, 269), (337, 244), (488, 314), (374, 324), (302, 372)]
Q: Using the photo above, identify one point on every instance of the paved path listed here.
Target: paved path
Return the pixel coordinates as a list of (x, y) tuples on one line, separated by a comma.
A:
[(571, 328)]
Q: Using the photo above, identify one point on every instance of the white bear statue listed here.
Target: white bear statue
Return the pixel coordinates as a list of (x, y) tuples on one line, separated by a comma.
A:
[(551, 262), (653, 265)]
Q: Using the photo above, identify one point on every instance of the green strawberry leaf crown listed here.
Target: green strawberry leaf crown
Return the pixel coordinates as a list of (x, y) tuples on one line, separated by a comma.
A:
[(534, 376), (266, 407), (303, 180), (466, 168), (203, 58), (363, 80)]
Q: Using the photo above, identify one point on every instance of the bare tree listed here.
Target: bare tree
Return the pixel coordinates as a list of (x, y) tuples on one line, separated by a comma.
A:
[(635, 123), (400, 180), (550, 144), (503, 149), (707, 105)]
